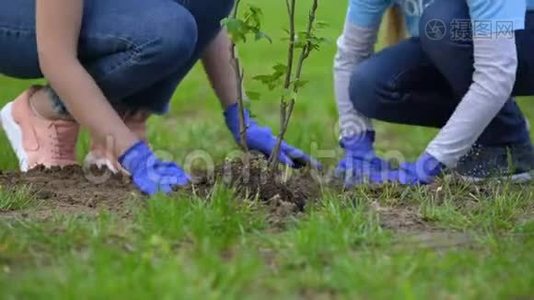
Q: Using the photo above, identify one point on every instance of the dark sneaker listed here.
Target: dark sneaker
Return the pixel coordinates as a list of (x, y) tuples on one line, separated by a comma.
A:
[(515, 163)]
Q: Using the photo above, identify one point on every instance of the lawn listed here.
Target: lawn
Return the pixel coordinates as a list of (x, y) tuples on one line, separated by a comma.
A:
[(449, 241)]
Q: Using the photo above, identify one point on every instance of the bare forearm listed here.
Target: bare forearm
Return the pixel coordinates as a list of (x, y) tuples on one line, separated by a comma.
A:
[(220, 69), (58, 24)]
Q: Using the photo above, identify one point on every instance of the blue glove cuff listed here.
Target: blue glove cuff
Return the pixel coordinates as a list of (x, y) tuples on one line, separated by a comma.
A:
[(359, 143), (231, 117), (430, 165), (134, 157)]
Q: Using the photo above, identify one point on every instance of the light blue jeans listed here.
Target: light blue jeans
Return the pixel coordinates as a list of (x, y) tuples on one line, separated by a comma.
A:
[(138, 51)]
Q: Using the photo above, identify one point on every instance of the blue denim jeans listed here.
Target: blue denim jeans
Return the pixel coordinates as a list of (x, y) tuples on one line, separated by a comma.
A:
[(421, 80), (138, 51)]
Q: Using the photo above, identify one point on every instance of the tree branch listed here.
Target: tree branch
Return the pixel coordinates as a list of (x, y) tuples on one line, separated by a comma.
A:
[(288, 107), (239, 72), (274, 159)]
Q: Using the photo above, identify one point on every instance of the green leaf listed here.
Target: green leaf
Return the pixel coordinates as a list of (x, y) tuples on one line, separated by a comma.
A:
[(262, 35), (280, 68), (298, 84), (252, 95), (236, 29), (274, 79)]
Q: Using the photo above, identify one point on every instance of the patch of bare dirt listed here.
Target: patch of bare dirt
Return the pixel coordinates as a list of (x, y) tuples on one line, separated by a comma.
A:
[(414, 231), (401, 219), (71, 190)]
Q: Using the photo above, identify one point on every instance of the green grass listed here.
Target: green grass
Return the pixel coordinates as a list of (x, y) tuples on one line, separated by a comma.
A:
[(226, 248), (15, 198)]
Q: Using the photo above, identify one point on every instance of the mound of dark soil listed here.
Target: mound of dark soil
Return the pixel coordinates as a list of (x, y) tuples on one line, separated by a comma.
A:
[(251, 178)]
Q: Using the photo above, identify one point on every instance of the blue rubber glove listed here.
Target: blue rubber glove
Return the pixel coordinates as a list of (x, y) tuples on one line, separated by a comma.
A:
[(261, 139), (423, 171), (360, 163), (149, 174)]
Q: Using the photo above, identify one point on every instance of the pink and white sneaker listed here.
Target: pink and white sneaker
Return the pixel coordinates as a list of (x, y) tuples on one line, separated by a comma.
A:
[(36, 140), (102, 155)]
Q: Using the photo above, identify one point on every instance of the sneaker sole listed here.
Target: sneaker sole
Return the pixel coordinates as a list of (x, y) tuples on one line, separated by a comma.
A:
[(517, 178), (14, 135)]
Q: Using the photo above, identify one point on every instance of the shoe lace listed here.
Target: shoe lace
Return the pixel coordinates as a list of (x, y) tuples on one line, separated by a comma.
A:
[(63, 139)]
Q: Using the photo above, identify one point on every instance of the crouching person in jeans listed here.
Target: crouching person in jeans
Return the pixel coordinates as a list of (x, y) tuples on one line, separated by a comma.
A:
[(459, 71), (110, 65)]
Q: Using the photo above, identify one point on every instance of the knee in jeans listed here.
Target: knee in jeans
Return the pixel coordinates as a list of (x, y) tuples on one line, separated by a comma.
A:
[(173, 39), (436, 25)]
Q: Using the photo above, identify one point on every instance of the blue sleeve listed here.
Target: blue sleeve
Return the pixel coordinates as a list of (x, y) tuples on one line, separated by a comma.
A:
[(367, 13), (497, 16)]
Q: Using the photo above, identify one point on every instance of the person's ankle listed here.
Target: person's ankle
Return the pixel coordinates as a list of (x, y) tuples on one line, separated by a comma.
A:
[(42, 106)]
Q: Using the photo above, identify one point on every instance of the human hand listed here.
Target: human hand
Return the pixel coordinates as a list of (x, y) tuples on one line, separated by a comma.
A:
[(149, 174), (423, 171), (262, 139), (360, 163)]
